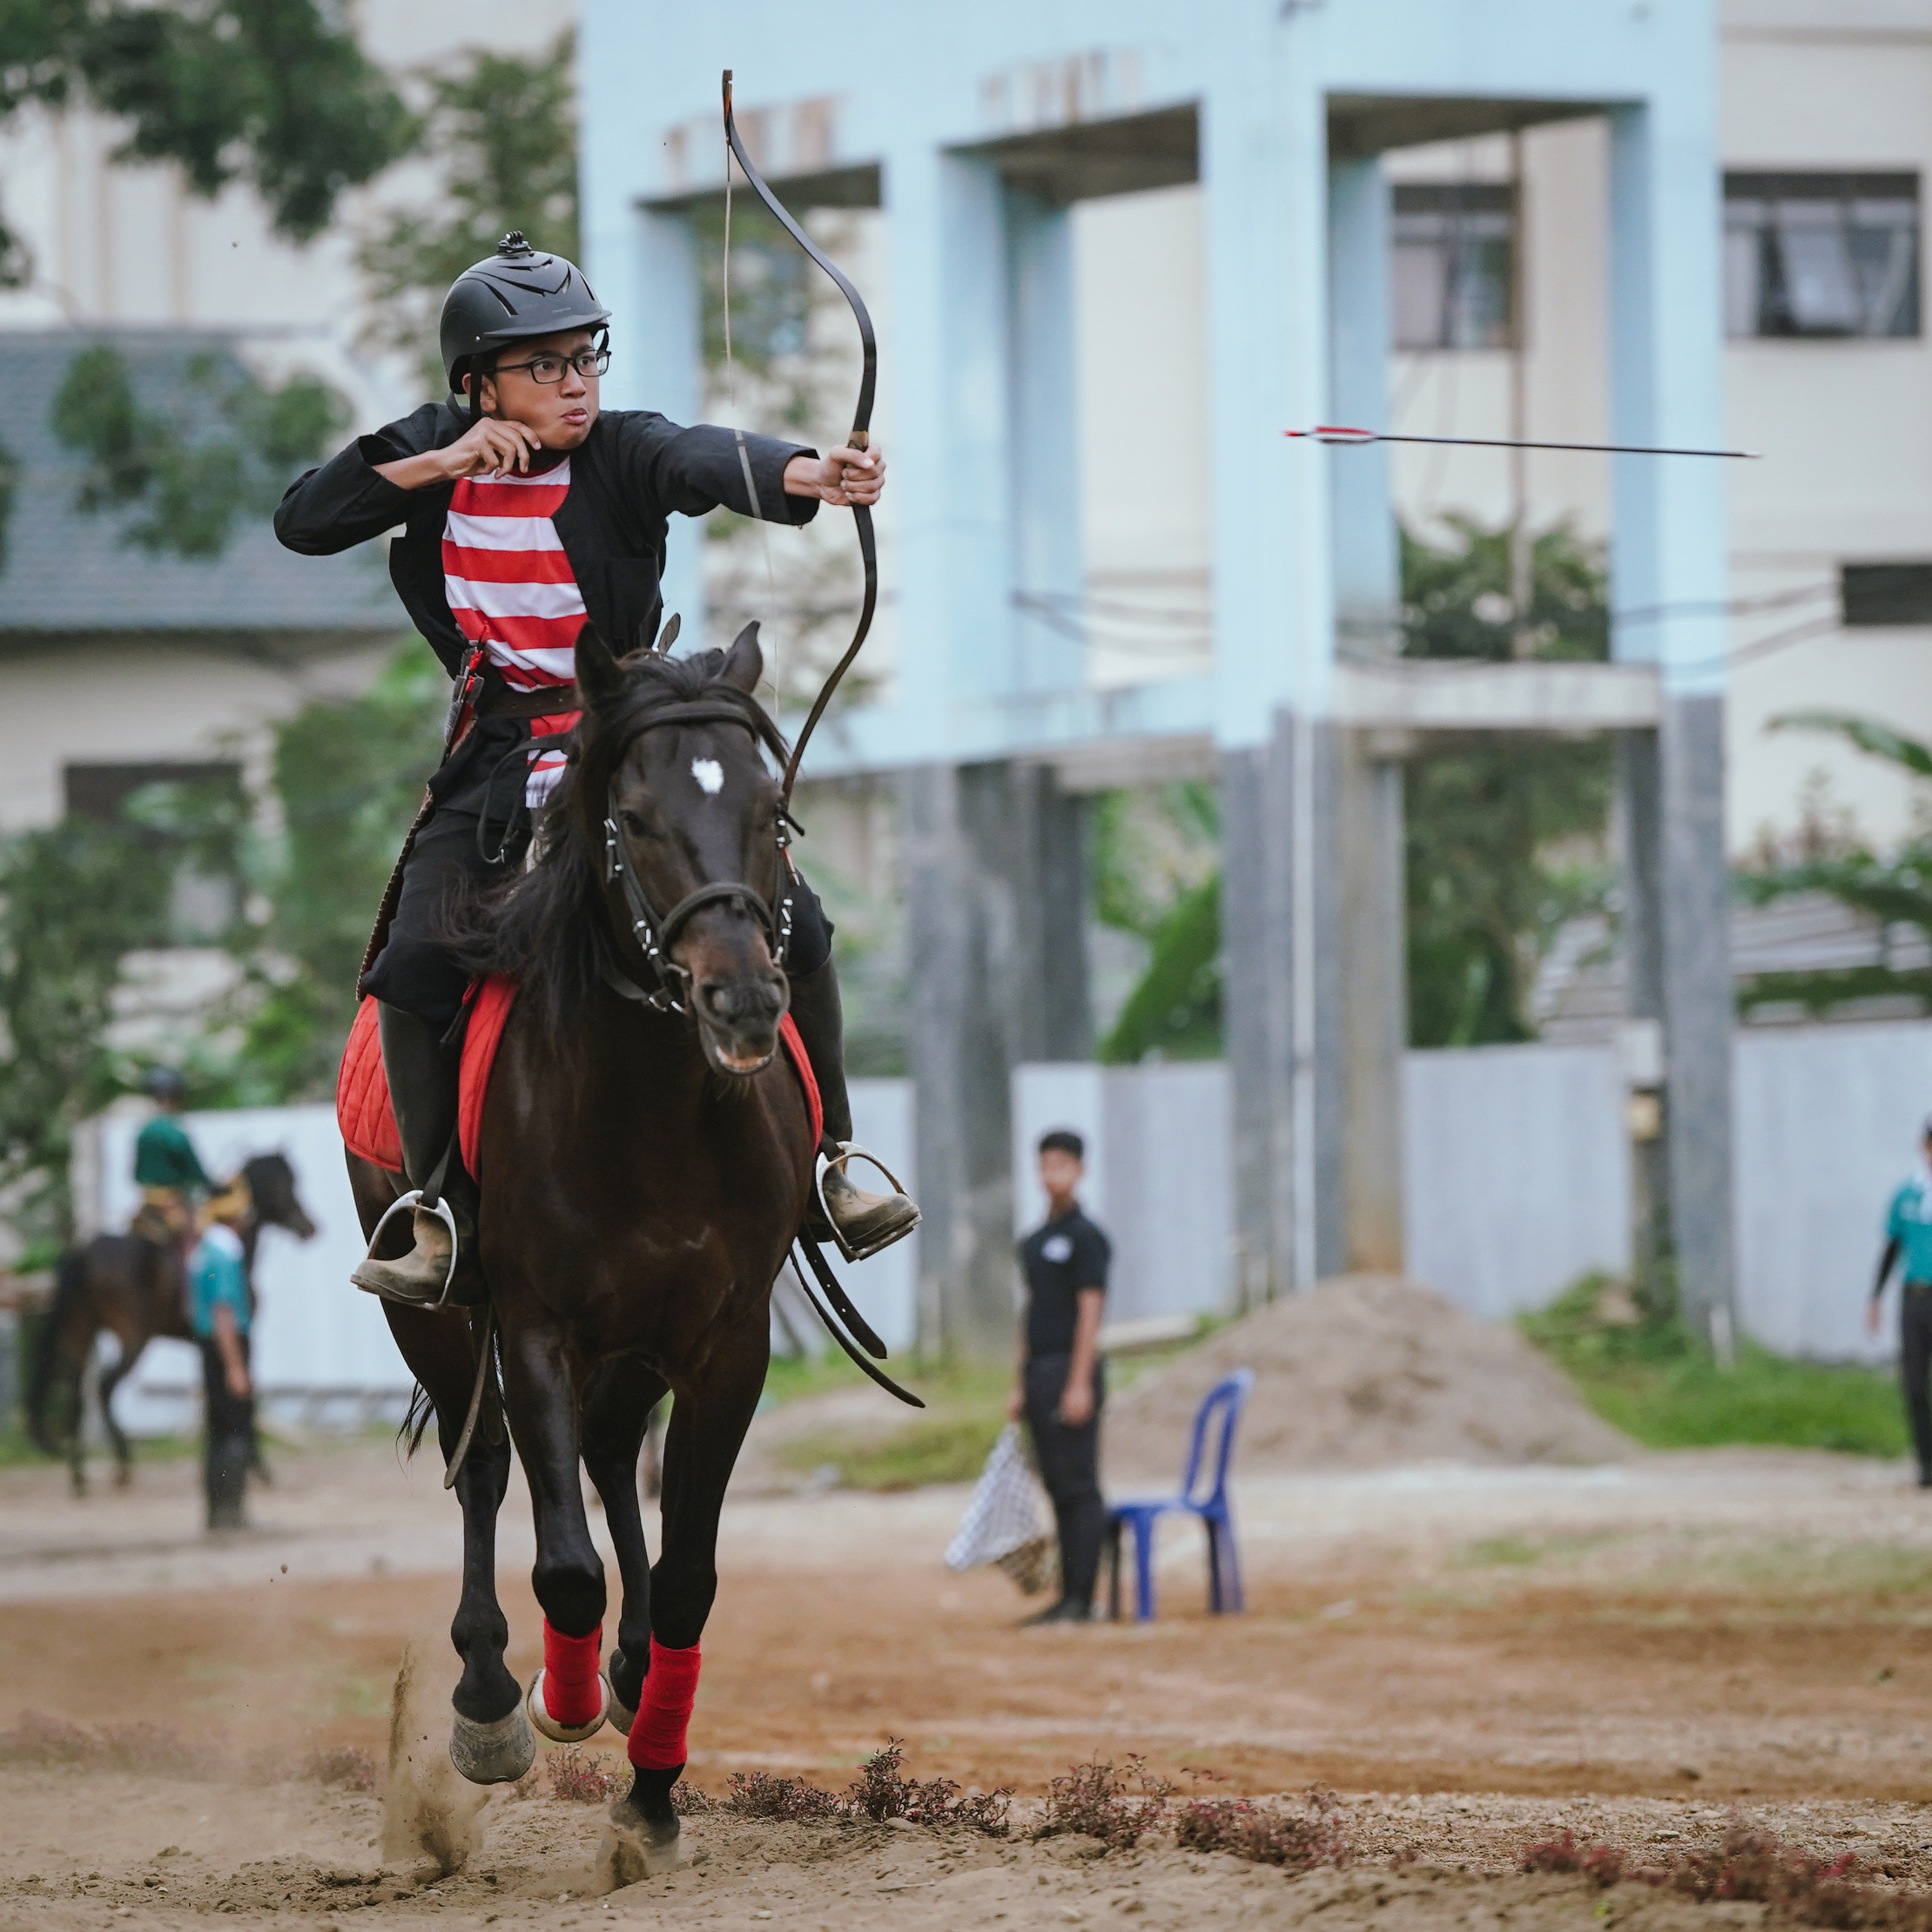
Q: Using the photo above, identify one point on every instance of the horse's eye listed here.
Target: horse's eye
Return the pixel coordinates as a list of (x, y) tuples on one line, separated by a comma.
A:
[(632, 823)]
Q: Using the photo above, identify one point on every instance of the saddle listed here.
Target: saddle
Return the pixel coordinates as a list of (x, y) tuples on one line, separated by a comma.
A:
[(368, 1123)]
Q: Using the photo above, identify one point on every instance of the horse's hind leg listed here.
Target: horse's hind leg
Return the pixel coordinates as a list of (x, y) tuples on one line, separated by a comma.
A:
[(701, 1449), (491, 1743), (617, 1408)]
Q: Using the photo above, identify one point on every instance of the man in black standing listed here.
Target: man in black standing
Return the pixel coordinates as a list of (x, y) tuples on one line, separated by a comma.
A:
[(1060, 1388)]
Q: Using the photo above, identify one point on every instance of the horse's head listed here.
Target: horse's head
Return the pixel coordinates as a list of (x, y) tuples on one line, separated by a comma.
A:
[(689, 819), (272, 1189)]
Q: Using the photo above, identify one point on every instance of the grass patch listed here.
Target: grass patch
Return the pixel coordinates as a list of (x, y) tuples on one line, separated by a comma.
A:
[(1650, 1378), (948, 1444)]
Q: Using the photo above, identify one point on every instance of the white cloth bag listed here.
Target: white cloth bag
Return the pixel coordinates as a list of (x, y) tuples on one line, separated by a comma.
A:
[(1009, 1521)]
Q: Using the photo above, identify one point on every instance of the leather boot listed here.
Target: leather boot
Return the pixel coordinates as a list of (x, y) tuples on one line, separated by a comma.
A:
[(861, 1223), (422, 1075)]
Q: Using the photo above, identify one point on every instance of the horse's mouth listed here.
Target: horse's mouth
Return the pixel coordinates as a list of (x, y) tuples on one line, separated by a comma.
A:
[(738, 1060)]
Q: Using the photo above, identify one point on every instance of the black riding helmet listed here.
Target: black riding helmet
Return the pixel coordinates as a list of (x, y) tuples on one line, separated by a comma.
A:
[(516, 293)]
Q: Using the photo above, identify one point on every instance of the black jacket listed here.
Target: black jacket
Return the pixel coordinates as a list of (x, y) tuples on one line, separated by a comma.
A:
[(629, 474)]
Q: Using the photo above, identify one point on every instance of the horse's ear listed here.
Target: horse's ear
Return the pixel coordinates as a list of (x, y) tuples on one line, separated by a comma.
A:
[(744, 663), (667, 636), (599, 679)]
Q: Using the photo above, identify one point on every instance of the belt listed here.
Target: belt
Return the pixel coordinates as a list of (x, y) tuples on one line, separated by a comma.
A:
[(497, 699), (1918, 1288)]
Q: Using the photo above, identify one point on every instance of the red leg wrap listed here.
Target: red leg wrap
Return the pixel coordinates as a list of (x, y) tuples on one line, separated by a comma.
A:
[(571, 1693), (664, 1715)]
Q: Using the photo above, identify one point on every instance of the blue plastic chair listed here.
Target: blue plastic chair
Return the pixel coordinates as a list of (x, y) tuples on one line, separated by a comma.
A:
[(1220, 1413)]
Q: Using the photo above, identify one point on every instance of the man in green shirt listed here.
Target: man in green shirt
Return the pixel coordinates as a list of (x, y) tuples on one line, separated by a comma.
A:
[(1909, 1241), (166, 1168)]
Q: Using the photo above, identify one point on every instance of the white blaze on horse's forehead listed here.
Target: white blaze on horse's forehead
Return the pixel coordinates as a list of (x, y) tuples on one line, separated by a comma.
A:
[(710, 775)]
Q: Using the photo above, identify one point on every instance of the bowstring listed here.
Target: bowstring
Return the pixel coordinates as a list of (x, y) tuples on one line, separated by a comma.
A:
[(744, 454)]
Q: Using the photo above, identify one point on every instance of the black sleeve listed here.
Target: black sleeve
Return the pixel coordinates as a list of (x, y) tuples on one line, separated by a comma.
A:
[(344, 502), (698, 470), (1884, 1261), (1092, 1253)]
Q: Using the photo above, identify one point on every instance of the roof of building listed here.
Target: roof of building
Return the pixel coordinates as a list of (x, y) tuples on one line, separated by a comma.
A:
[(68, 571)]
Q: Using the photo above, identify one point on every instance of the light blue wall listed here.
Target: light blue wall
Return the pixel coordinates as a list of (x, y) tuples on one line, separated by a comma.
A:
[(972, 288)]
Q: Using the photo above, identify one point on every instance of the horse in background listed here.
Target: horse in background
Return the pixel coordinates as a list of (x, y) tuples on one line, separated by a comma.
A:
[(135, 1288)]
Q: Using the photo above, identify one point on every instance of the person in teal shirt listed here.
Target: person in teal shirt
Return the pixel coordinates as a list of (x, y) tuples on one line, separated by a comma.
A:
[(167, 1170), (1908, 1238), (218, 1313)]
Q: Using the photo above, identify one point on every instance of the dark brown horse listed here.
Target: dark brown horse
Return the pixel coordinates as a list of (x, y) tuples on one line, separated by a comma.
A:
[(132, 1288), (643, 1172)]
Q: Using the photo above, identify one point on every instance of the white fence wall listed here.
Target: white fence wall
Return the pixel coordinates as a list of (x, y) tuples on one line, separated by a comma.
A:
[(1828, 1119), (1516, 1174), (1516, 1181)]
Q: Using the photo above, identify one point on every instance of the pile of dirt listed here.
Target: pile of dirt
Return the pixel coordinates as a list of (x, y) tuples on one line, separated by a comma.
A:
[(1361, 1372)]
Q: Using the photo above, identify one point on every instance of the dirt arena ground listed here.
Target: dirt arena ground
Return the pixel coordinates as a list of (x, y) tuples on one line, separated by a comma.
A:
[(1640, 1652)]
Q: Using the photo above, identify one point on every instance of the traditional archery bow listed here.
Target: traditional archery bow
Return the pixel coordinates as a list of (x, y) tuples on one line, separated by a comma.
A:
[(1334, 433), (860, 437)]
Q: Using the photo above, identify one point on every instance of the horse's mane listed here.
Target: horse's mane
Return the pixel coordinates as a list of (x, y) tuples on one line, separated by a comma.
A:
[(547, 924)]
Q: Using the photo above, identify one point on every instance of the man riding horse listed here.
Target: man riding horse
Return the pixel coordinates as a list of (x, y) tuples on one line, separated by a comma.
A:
[(524, 510)]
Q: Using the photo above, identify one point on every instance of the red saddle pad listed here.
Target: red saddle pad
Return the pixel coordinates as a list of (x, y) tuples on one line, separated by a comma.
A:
[(368, 1123)]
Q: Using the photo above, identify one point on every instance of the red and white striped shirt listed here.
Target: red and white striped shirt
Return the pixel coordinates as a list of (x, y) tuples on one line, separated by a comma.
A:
[(511, 590)]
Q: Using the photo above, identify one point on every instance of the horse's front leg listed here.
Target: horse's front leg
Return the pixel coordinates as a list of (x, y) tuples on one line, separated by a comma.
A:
[(490, 1740), (566, 1699), (701, 1448), (617, 1407)]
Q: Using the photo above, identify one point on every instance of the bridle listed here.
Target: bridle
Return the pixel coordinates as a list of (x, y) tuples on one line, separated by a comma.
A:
[(656, 932)]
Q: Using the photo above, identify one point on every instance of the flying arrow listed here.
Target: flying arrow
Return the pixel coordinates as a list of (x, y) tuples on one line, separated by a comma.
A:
[(1334, 433)]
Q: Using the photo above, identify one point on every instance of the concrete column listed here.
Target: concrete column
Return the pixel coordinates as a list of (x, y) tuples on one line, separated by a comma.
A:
[(1043, 447), (995, 867), (1368, 567), (1365, 1013), (1666, 388), (1263, 162), (1371, 997)]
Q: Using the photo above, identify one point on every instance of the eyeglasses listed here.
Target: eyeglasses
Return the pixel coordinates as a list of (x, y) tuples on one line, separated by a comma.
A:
[(550, 368)]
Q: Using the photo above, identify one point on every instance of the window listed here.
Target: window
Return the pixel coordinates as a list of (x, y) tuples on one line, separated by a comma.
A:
[(1455, 264), (1885, 592), (1821, 254)]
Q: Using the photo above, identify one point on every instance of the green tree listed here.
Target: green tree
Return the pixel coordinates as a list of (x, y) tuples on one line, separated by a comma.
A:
[(348, 779), (1156, 874), (274, 92), (74, 900), (222, 449), (1502, 833), (1895, 890), (502, 132)]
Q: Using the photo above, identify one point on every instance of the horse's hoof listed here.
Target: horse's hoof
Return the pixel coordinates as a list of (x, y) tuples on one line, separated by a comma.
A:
[(564, 1733), (635, 1847), (493, 1753), (615, 1709)]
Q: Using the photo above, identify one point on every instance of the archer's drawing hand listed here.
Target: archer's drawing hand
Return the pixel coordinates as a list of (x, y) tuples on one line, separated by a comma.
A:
[(491, 448), (842, 476)]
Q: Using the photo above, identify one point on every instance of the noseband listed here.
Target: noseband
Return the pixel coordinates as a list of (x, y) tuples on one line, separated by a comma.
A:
[(656, 933)]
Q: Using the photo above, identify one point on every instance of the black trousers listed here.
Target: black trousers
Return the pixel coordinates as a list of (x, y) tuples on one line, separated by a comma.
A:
[(229, 1426), (1069, 1460), (1915, 1365), (475, 838)]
